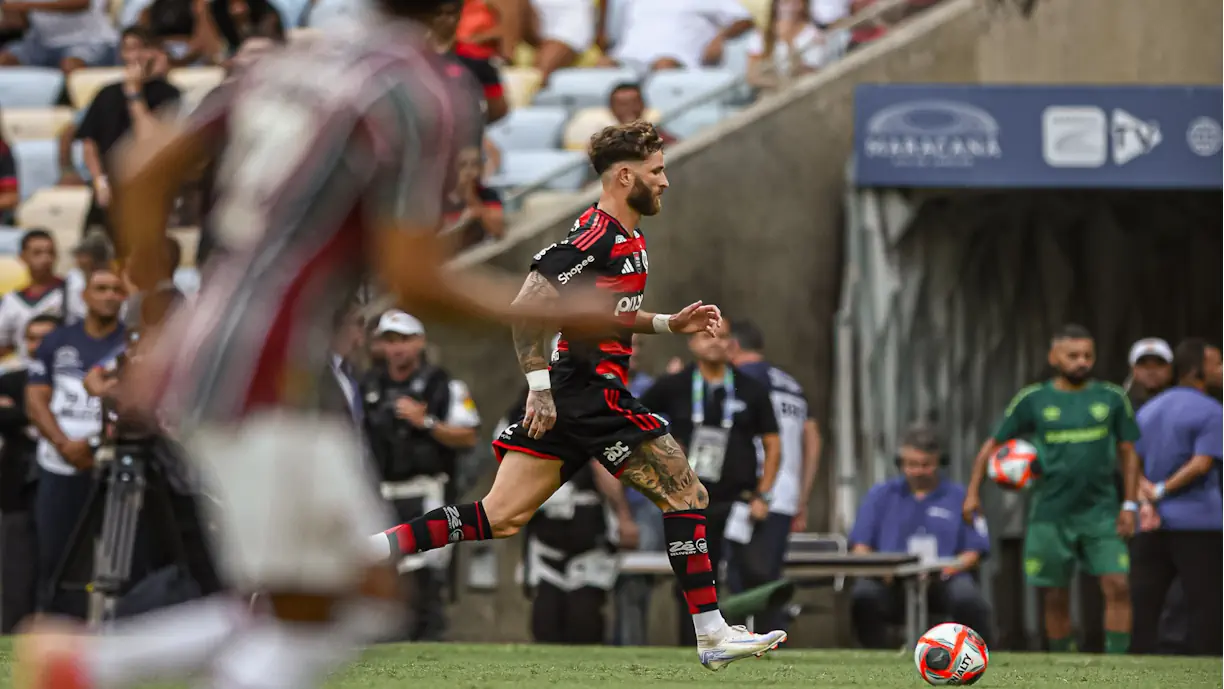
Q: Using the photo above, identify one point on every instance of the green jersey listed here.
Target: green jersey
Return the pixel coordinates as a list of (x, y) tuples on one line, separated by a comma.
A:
[(1077, 434)]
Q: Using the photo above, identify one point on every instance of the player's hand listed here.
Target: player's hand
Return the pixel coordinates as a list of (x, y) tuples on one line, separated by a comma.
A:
[(799, 523), (1126, 523), (695, 318), (541, 413), (1149, 518), (77, 453), (971, 507), (629, 533), (411, 411)]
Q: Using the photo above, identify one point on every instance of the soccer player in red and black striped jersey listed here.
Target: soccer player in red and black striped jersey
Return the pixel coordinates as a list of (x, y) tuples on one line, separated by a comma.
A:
[(581, 408), (334, 156)]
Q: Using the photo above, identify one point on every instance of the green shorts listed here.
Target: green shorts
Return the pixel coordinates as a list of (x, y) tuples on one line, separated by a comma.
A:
[(1052, 549)]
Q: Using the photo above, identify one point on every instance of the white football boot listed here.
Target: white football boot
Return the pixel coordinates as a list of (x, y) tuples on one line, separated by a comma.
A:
[(733, 643)]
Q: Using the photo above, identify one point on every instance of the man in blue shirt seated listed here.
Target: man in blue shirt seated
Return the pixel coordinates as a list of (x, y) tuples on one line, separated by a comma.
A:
[(919, 512), (1180, 444)]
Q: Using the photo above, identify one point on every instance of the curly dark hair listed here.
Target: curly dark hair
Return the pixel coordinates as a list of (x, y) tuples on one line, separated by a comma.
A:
[(622, 142)]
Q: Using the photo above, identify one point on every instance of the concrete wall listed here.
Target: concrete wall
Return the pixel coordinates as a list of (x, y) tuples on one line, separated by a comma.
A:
[(752, 221)]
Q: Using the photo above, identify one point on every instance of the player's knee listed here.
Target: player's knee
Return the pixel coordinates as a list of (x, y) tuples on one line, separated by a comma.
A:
[(1115, 588)]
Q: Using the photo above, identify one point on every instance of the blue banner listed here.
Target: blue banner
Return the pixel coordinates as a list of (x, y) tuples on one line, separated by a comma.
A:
[(1130, 137)]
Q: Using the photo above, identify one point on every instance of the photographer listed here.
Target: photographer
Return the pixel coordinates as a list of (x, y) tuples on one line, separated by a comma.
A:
[(69, 422), (418, 420), (18, 482)]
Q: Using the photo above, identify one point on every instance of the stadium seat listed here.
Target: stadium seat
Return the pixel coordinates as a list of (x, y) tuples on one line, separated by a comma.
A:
[(37, 165), (59, 210), (531, 128), (192, 78), (10, 241), (302, 33), (30, 87), (759, 10), (583, 88), (31, 124), (672, 89), (564, 170), (13, 274), (694, 120), (521, 84), (583, 125), (84, 84)]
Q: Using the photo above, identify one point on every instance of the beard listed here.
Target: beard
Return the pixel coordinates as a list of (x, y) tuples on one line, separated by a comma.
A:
[(642, 200), (1075, 376)]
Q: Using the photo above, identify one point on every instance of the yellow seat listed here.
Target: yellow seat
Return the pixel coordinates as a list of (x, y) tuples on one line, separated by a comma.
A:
[(13, 274), (34, 124), (544, 201), (302, 33), (84, 84), (524, 56), (759, 10), (521, 84), (196, 78), (583, 125), (61, 211)]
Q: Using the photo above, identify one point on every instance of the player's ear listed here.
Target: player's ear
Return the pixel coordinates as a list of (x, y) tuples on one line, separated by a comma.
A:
[(624, 176)]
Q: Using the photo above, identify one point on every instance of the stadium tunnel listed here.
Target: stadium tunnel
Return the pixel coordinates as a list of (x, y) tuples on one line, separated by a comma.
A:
[(959, 268)]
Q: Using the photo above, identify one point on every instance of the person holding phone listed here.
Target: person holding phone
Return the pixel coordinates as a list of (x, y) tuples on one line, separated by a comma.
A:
[(126, 106)]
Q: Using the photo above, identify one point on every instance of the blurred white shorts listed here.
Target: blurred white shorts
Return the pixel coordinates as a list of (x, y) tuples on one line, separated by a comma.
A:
[(571, 22), (295, 501)]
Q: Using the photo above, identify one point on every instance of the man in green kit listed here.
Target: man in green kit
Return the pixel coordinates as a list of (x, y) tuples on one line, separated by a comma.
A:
[(1086, 430)]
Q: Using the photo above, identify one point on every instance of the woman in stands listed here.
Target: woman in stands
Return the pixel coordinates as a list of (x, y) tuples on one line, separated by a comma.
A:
[(473, 212), (790, 46), (10, 195)]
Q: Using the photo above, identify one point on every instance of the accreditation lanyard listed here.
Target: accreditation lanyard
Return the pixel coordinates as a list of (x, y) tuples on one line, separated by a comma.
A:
[(728, 406)]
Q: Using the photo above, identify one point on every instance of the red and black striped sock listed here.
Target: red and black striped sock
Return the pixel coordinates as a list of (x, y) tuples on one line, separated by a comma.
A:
[(690, 560), (436, 528)]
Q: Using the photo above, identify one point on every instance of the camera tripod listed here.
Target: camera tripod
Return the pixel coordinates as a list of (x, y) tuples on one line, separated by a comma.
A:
[(99, 557)]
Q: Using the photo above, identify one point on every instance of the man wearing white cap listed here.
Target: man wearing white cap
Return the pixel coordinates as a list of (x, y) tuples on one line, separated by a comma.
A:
[(419, 420), (1151, 362)]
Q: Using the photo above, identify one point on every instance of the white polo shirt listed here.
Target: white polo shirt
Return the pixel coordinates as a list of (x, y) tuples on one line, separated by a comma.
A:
[(676, 29)]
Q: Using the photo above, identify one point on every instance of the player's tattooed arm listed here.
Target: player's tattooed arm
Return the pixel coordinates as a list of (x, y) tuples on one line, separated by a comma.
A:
[(661, 472), (532, 341)]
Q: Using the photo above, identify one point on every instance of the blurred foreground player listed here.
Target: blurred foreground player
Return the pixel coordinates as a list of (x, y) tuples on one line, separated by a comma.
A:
[(583, 409), (337, 157)]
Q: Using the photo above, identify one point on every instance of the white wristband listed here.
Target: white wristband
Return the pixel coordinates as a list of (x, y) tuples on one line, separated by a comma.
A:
[(661, 323), (539, 380)]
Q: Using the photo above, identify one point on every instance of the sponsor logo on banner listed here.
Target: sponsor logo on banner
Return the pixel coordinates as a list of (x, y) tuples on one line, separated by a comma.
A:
[(1132, 137), (1204, 136), (1074, 136), (932, 133)]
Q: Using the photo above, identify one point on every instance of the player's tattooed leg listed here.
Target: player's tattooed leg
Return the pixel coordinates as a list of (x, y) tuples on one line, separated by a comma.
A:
[(659, 469)]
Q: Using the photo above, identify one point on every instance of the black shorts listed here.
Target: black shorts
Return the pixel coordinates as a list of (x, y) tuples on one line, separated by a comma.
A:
[(597, 418)]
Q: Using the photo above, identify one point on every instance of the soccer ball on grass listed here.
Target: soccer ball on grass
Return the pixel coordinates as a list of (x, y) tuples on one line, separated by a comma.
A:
[(1014, 465), (951, 654)]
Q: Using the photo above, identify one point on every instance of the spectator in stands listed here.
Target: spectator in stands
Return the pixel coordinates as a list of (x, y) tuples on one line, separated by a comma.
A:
[(68, 34), (18, 481), (479, 33), (250, 51), (94, 251), (825, 12), (10, 194), (1180, 445), (1151, 361), (919, 513), (44, 295), (790, 46), (627, 105), (475, 74), (127, 105), (472, 211), (238, 20), (677, 34)]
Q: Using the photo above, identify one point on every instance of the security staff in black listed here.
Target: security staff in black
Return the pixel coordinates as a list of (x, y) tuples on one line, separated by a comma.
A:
[(717, 414), (418, 420)]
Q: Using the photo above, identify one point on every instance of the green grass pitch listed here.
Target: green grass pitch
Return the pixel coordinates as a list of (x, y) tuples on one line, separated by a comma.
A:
[(457, 666)]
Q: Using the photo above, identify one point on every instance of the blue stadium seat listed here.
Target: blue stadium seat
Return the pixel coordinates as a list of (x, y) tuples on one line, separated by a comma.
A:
[(665, 91), (10, 240), (30, 87), (37, 165), (567, 170), (532, 128), (580, 87), (692, 121)]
